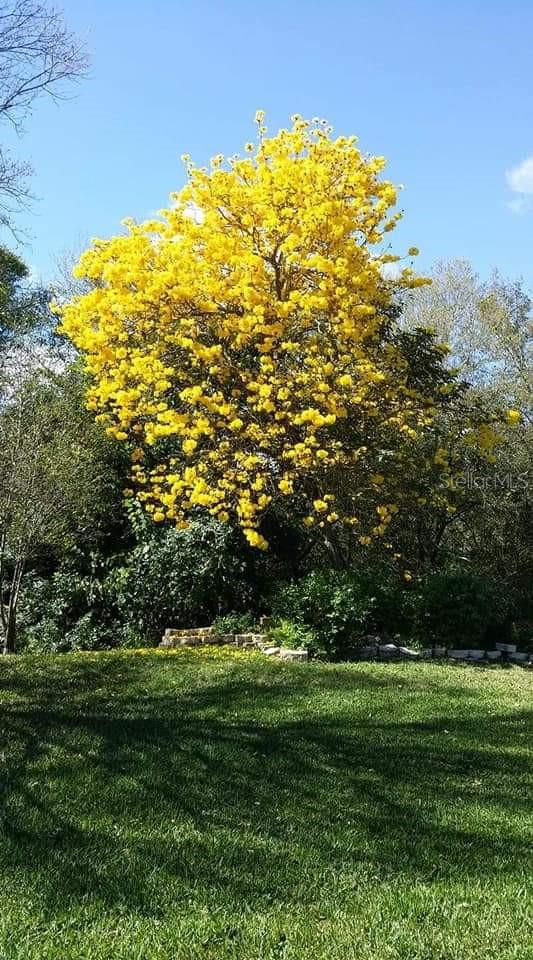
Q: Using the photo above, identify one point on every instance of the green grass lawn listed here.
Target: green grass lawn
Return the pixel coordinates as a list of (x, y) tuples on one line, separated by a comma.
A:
[(195, 805)]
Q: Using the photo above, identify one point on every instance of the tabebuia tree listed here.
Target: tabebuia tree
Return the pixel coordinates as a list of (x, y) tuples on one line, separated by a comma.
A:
[(246, 343)]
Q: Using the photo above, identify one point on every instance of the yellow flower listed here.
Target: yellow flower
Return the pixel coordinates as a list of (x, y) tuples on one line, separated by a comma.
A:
[(229, 341), (513, 417), (255, 539), (285, 485), (189, 446)]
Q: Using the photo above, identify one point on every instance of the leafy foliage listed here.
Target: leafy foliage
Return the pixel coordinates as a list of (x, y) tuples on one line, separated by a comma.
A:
[(172, 578), (291, 634), (235, 623), (341, 608), (459, 608)]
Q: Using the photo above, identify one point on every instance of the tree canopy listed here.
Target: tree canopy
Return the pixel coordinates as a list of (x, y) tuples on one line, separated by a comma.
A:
[(245, 345)]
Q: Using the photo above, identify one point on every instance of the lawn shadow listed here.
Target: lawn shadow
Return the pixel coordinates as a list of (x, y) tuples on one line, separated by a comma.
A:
[(108, 796)]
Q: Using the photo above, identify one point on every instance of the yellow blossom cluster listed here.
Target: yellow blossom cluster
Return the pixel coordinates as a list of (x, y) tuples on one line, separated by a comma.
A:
[(241, 343), (207, 652)]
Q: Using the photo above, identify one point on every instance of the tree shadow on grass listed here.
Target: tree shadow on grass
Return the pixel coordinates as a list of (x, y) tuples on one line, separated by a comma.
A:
[(119, 798)]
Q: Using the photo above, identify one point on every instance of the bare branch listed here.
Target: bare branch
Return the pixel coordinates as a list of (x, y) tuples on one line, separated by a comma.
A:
[(39, 56)]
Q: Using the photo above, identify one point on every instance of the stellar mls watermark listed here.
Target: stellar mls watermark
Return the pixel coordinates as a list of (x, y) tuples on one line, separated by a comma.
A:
[(507, 482)]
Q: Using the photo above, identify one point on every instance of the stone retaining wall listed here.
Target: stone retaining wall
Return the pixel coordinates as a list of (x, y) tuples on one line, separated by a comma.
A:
[(204, 636), (390, 651)]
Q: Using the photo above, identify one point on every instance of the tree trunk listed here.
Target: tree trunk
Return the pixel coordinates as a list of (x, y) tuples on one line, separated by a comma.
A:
[(9, 616), (10, 635)]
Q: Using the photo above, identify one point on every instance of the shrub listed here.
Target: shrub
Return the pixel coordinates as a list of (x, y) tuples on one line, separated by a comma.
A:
[(522, 635), (235, 623), (44, 637), (182, 578), (458, 609), (454, 608), (291, 634), (67, 611), (176, 578), (341, 608)]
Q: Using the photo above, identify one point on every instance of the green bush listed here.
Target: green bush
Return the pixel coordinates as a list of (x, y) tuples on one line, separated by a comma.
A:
[(291, 634), (342, 608), (44, 637), (458, 609), (182, 578), (454, 608), (235, 623), (522, 634), (174, 578), (69, 610)]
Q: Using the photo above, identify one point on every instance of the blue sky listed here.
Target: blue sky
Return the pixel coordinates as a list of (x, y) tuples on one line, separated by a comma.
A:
[(443, 90)]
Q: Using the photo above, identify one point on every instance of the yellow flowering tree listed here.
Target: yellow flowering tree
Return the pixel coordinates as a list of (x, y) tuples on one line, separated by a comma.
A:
[(245, 345)]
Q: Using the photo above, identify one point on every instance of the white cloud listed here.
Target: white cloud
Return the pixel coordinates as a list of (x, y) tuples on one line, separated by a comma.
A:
[(518, 204), (520, 178)]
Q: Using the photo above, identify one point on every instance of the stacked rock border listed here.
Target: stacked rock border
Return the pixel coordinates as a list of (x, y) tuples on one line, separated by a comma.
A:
[(206, 636), (504, 652)]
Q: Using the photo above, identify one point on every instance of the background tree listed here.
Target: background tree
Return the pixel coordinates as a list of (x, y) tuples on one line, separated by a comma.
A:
[(38, 55), (489, 528), (488, 326), (54, 479), (25, 320)]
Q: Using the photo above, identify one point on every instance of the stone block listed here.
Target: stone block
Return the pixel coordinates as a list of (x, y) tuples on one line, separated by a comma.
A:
[(218, 638), (408, 653), (459, 654), (370, 651), (519, 657), (388, 650), (271, 651), (494, 654), (506, 647), (287, 654), (477, 654), (256, 638)]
